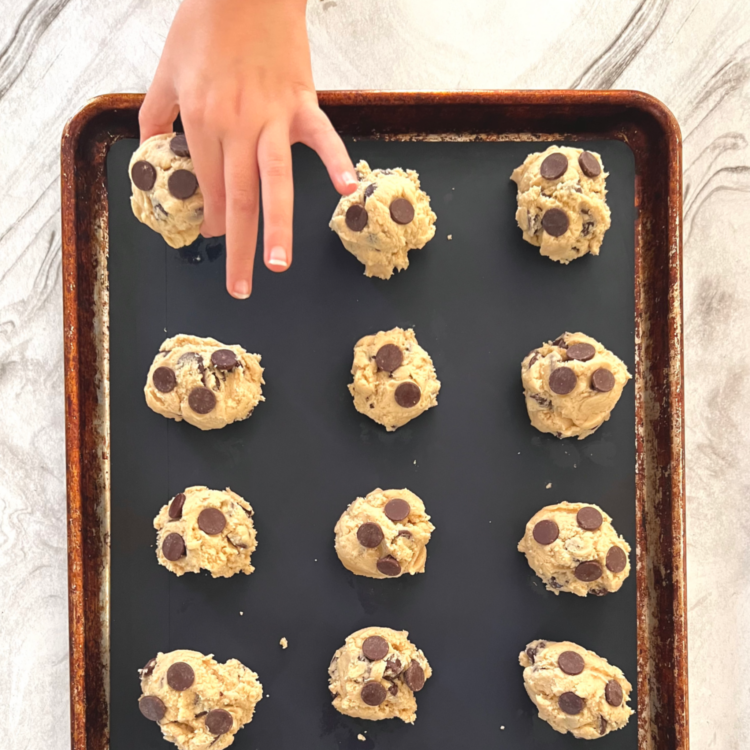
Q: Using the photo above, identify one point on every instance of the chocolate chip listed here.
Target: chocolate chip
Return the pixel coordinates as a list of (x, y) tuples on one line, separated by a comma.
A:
[(191, 358), (589, 164), (402, 212), (589, 518), (534, 357), (602, 380), (373, 693), (602, 725), (370, 189), (586, 228), (175, 507), (173, 547), (164, 379), (555, 222), (180, 676), (160, 211), (581, 352), (356, 217), (224, 359), (393, 688), (532, 651), (143, 175), (182, 184), (219, 721), (148, 670), (570, 703), (617, 560), (407, 395), (414, 677), (545, 402), (211, 521), (393, 666), (389, 358), (152, 708), (570, 662), (369, 535), (179, 146), (545, 532), (560, 341), (389, 566), (375, 648), (588, 571), (404, 533), (397, 509), (562, 380), (554, 166), (613, 693), (201, 400)]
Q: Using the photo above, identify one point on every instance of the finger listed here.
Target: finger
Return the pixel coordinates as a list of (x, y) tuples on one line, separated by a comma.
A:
[(275, 167), (313, 128), (159, 109), (241, 176)]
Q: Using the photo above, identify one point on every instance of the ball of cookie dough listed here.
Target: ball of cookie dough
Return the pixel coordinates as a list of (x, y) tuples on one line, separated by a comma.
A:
[(375, 675), (166, 195), (384, 535), (197, 702), (574, 547), (385, 217), (204, 382), (202, 529), (575, 690), (562, 206), (394, 378), (571, 385)]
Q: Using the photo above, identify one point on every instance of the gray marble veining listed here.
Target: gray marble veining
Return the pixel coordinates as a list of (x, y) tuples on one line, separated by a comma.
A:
[(692, 54)]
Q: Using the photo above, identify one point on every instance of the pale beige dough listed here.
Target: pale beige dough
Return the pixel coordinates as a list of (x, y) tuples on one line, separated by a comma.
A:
[(237, 391), (178, 221), (230, 687), (583, 410), (545, 682), (582, 198), (222, 554), (383, 245), (403, 540), (556, 563), (374, 389), (350, 670)]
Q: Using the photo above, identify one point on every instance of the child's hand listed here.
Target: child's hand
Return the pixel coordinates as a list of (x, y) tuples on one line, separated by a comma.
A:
[(238, 72)]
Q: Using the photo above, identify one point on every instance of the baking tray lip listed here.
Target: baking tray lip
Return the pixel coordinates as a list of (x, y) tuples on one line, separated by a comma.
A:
[(105, 119)]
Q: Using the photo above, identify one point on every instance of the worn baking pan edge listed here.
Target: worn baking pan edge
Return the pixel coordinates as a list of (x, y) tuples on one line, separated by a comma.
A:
[(636, 118)]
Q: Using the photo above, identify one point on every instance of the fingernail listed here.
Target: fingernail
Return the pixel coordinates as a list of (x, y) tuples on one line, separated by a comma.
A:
[(277, 257), (349, 178), (241, 289)]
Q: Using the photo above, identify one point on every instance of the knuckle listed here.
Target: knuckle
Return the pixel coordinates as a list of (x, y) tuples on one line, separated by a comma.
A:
[(243, 199), (276, 167)]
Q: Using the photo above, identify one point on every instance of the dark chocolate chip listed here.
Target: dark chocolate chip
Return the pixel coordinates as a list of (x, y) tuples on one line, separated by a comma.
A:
[(598, 592), (414, 677), (370, 189), (369, 535), (545, 532), (555, 222), (589, 518), (570, 703), (402, 212), (152, 708), (407, 395), (554, 166), (219, 721), (389, 358), (588, 571), (143, 175), (589, 164), (545, 402), (602, 380), (586, 228), (179, 146), (201, 400), (389, 566), (182, 184), (570, 662), (602, 725), (393, 688), (617, 560), (397, 509), (532, 651), (534, 357), (160, 211), (356, 217), (175, 507), (211, 521), (164, 379), (173, 547), (191, 358), (148, 670), (375, 648), (560, 341), (582, 352), (404, 533), (562, 380), (373, 693), (224, 359), (613, 693), (393, 667), (180, 676)]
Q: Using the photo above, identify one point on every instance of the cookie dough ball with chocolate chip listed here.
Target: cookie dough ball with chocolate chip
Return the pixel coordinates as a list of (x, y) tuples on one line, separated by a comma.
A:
[(204, 382), (384, 535), (562, 207), (385, 217), (574, 547), (574, 689), (394, 378), (197, 702), (376, 674), (571, 385), (166, 195), (203, 529)]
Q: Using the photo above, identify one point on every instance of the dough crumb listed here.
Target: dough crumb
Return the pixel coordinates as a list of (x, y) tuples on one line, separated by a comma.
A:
[(283, 643), (361, 737), (241, 613), (549, 486), (502, 727), (450, 236)]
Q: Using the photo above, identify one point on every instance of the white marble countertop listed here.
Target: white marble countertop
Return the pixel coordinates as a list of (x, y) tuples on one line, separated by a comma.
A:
[(692, 54)]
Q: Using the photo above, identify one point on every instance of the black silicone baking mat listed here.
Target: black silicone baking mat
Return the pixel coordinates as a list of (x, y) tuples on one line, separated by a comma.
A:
[(478, 302)]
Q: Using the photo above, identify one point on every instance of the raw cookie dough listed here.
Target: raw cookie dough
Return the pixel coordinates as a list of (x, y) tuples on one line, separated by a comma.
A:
[(204, 382), (385, 217), (575, 690), (384, 535), (574, 547), (166, 196), (206, 529), (197, 702), (394, 378), (571, 385), (562, 206), (375, 674)]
